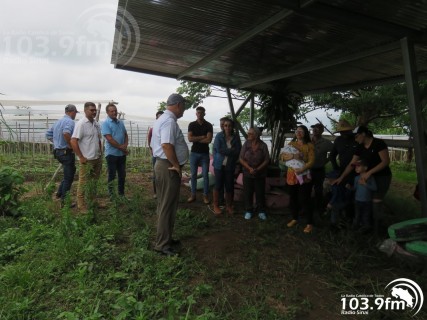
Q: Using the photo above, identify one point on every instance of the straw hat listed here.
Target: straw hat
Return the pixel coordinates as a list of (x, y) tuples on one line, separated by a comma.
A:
[(343, 125)]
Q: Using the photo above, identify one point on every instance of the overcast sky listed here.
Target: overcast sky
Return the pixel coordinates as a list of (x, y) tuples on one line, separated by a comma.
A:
[(61, 50)]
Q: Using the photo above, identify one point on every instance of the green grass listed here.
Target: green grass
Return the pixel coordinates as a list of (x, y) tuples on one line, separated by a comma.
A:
[(58, 265)]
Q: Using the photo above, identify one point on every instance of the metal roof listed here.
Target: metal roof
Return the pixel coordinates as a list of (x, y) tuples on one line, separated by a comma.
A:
[(308, 46)]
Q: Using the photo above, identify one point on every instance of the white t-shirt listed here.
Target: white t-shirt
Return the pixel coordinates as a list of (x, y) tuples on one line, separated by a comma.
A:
[(166, 130), (89, 137)]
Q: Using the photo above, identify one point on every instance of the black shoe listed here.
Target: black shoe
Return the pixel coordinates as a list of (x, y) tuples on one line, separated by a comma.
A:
[(167, 252), (175, 242)]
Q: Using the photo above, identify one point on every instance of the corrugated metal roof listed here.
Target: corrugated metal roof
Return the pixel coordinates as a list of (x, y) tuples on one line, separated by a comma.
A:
[(308, 45)]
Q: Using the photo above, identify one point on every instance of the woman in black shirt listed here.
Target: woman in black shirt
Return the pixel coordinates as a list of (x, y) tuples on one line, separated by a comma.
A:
[(375, 152)]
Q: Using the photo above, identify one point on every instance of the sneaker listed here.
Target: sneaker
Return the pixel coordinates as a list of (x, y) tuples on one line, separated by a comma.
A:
[(248, 215), (308, 228), (262, 216), (292, 223)]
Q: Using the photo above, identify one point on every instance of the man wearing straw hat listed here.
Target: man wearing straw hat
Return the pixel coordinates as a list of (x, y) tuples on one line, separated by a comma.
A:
[(343, 148), (60, 134)]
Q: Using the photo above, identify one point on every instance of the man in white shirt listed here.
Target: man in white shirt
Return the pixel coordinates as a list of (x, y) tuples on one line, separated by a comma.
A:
[(171, 152), (86, 143)]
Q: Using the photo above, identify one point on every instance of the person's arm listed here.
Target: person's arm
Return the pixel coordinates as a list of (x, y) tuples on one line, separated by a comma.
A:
[(371, 184), (385, 161), (347, 170), (333, 157), (207, 139), (67, 138), (114, 143), (169, 150), (75, 145), (266, 159), (49, 134)]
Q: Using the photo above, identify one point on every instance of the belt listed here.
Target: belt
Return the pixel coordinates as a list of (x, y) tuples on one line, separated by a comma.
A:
[(66, 149)]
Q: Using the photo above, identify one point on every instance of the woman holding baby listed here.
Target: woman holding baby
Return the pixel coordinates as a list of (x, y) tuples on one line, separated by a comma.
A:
[(299, 157)]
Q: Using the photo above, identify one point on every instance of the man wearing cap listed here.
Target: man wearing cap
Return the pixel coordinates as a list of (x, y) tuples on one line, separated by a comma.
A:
[(200, 133), (86, 142), (321, 148), (60, 134), (171, 152), (116, 145)]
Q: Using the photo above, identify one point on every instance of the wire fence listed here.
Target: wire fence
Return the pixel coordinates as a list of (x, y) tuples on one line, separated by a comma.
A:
[(28, 137)]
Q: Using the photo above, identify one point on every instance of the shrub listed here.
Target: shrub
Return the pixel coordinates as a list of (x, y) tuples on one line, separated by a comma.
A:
[(10, 189)]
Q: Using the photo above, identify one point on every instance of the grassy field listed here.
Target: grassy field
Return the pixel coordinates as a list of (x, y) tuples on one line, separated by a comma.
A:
[(57, 264)]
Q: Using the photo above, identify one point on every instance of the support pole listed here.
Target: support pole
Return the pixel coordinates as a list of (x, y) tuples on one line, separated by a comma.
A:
[(414, 104), (233, 114), (252, 111)]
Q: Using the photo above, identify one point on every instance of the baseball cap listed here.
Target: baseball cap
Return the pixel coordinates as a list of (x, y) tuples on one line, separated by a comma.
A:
[(175, 98), (70, 108), (319, 126), (361, 129)]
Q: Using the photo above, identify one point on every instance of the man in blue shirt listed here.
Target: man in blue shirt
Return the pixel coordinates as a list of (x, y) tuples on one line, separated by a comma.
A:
[(60, 134), (116, 143)]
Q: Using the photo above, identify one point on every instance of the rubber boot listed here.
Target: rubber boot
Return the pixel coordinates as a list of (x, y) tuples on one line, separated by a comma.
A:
[(216, 209), (229, 203)]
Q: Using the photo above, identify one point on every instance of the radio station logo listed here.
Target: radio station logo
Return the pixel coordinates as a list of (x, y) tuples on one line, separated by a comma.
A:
[(401, 295)]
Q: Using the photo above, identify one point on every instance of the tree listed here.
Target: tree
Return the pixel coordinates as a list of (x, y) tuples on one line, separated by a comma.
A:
[(383, 108), (278, 113)]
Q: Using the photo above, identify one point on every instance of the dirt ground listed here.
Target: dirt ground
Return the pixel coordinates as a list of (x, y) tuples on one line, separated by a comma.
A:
[(245, 257)]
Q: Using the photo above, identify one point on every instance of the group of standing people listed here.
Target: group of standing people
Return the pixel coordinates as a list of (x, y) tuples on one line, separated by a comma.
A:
[(84, 139), (354, 149)]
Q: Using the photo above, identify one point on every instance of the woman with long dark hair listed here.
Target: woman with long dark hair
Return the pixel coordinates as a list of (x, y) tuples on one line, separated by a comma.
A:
[(298, 178), (226, 150)]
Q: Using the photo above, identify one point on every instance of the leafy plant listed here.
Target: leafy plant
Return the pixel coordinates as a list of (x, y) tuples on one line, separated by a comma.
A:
[(10, 189)]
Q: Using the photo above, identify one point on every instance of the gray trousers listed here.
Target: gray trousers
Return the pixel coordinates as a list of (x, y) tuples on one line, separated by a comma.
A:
[(168, 184)]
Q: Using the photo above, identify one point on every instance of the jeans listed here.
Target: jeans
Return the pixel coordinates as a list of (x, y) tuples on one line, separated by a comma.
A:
[(363, 217), (116, 164), (251, 185), (224, 179), (68, 161), (196, 160)]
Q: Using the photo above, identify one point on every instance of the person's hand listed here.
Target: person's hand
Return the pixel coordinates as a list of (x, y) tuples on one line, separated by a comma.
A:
[(329, 206), (348, 186), (286, 156), (298, 156), (365, 176), (82, 160), (299, 170), (337, 181), (177, 169), (252, 171)]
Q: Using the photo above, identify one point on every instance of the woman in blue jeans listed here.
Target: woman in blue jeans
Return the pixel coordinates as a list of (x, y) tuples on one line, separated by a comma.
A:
[(254, 158), (226, 152)]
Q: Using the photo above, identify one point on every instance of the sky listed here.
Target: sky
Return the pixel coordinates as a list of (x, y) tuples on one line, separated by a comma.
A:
[(61, 50)]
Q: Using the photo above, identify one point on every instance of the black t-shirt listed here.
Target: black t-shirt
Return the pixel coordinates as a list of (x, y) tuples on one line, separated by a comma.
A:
[(344, 147), (372, 157), (200, 130)]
